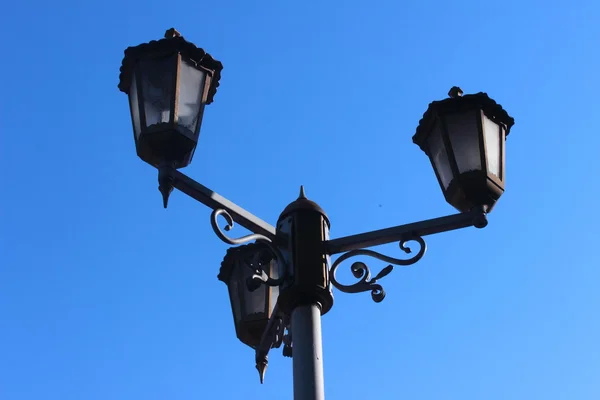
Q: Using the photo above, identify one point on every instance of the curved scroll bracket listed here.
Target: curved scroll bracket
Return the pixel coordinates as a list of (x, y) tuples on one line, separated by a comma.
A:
[(259, 277), (361, 271), (214, 217)]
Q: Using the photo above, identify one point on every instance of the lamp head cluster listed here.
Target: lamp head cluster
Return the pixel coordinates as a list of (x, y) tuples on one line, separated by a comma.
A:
[(170, 81)]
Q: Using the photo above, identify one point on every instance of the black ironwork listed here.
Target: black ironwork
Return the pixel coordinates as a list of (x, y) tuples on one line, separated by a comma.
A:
[(272, 337), (260, 276), (230, 224), (307, 228), (362, 271), (355, 246), (303, 227), (475, 217), (214, 201)]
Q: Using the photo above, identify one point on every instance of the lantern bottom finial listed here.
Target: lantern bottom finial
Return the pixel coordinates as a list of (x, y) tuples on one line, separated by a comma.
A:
[(261, 366), (165, 191), (165, 183)]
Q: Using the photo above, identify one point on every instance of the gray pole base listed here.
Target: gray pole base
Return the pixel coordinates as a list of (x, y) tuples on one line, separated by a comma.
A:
[(307, 353)]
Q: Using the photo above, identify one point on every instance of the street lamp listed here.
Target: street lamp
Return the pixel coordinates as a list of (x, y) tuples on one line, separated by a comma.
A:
[(281, 283), (244, 269), (169, 82), (464, 138), (252, 304)]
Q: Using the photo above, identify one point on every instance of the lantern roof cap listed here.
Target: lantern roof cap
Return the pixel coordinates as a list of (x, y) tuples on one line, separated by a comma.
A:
[(236, 253), (172, 43), (457, 103), (303, 204)]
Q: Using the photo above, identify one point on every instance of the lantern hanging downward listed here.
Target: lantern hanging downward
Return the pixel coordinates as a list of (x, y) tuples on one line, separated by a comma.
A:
[(169, 82), (251, 309), (464, 137)]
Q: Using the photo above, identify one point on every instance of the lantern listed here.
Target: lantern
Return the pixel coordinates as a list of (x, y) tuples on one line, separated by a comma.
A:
[(464, 137), (168, 82), (251, 308)]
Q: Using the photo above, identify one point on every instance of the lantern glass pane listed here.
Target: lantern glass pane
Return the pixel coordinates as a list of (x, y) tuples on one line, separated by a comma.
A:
[(491, 131), (274, 289), (135, 108), (191, 89), (439, 156), (234, 292), (254, 302), (463, 130), (157, 90)]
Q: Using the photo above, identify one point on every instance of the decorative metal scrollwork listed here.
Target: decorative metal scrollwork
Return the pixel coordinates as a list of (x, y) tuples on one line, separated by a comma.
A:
[(260, 276), (362, 271), (230, 224)]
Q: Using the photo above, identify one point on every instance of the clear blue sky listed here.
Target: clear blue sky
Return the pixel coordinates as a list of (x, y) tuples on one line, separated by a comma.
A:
[(105, 295)]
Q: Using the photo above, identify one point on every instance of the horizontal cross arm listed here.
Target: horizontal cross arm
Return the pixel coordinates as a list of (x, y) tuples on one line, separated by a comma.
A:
[(215, 201), (398, 233)]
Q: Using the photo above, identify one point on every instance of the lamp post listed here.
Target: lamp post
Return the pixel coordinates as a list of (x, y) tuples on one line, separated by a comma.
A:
[(280, 277)]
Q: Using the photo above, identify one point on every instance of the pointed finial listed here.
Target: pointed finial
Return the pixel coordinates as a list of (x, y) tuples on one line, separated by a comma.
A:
[(171, 33), (455, 92), (261, 366), (302, 194), (165, 190), (165, 182)]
